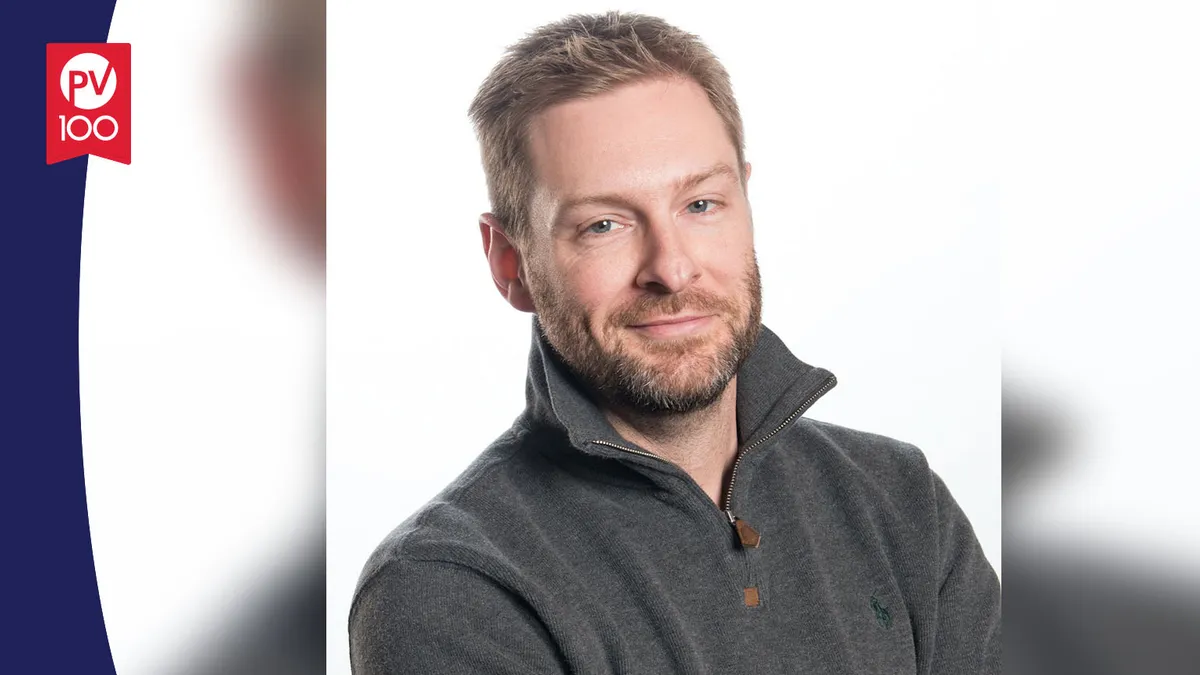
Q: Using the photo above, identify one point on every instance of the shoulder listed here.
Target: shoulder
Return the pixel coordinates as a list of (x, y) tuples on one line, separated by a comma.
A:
[(878, 471), (449, 579), (467, 524), (429, 616), (875, 455), (892, 472)]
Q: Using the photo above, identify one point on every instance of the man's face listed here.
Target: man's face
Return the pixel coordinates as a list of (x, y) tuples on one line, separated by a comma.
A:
[(639, 257)]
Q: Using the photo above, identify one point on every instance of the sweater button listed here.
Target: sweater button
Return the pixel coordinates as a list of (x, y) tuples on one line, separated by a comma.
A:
[(750, 596)]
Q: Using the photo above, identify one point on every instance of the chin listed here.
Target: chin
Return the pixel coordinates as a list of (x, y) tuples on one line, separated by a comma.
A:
[(674, 396), (686, 371)]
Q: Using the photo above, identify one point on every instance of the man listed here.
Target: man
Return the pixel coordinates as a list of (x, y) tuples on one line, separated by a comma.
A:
[(661, 506)]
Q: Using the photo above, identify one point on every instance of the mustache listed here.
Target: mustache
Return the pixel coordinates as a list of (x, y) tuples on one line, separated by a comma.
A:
[(645, 307)]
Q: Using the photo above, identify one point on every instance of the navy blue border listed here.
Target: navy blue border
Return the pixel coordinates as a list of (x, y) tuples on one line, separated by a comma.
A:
[(49, 605)]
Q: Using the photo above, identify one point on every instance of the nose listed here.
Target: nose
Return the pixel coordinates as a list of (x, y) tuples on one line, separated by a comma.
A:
[(668, 264)]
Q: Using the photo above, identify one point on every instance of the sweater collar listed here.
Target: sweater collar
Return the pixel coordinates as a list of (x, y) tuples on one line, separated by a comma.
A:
[(772, 385)]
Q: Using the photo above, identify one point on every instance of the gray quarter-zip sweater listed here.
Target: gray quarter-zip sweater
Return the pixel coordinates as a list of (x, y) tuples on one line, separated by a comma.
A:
[(565, 548)]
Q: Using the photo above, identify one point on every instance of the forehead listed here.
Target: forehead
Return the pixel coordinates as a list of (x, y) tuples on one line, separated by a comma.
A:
[(638, 137)]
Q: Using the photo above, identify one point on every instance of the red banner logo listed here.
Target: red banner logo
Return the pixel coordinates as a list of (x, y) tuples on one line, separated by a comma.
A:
[(87, 101)]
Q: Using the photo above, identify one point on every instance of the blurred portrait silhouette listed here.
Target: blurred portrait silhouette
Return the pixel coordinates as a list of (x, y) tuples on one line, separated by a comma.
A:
[(278, 98), (1074, 608)]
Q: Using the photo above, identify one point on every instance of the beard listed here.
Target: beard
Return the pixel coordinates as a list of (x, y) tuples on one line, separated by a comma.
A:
[(654, 376)]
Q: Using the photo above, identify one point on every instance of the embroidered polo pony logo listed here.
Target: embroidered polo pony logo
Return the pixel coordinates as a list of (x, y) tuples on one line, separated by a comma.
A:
[(882, 616)]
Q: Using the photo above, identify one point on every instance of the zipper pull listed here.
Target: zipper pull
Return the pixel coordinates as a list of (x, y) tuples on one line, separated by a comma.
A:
[(747, 535)]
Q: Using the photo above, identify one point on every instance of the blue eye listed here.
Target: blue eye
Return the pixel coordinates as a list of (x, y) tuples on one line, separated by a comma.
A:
[(699, 206), (602, 226)]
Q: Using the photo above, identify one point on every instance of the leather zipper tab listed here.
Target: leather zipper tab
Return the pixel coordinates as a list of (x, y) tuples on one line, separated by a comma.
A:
[(746, 534)]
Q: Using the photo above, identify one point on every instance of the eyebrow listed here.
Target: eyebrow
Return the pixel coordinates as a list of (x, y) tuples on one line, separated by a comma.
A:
[(689, 182), (682, 184)]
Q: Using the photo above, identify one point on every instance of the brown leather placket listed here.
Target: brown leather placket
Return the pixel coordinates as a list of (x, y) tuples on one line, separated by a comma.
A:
[(749, 538)]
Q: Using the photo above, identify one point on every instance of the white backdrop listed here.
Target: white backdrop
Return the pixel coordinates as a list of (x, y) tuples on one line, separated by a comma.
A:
[(862, 126)]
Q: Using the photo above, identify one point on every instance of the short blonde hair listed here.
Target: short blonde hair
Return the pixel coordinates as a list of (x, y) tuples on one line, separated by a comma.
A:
[(578, 57)]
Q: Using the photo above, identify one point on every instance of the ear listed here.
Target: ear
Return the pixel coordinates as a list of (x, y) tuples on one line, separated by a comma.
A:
[(746, 175), (504, 260)]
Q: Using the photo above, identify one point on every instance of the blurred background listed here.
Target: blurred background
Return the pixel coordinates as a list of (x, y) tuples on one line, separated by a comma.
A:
[(202, 343), (1092, 177)]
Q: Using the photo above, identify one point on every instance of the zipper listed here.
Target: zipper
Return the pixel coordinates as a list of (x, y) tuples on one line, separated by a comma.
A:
[(636, 452), (725, 507), (829, 384), (651, 455)]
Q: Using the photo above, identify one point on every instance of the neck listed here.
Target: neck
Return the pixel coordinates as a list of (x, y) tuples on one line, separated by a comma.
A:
[(702, 442)]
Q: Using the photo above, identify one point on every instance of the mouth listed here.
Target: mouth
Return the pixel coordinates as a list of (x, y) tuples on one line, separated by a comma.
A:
[(673, 326)]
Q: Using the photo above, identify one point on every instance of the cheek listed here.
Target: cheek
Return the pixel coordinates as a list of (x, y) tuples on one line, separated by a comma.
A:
[(726, 259), (598, 287)]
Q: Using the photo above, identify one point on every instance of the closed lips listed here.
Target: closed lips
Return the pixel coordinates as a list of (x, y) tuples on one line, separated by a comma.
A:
[(669, 321)]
